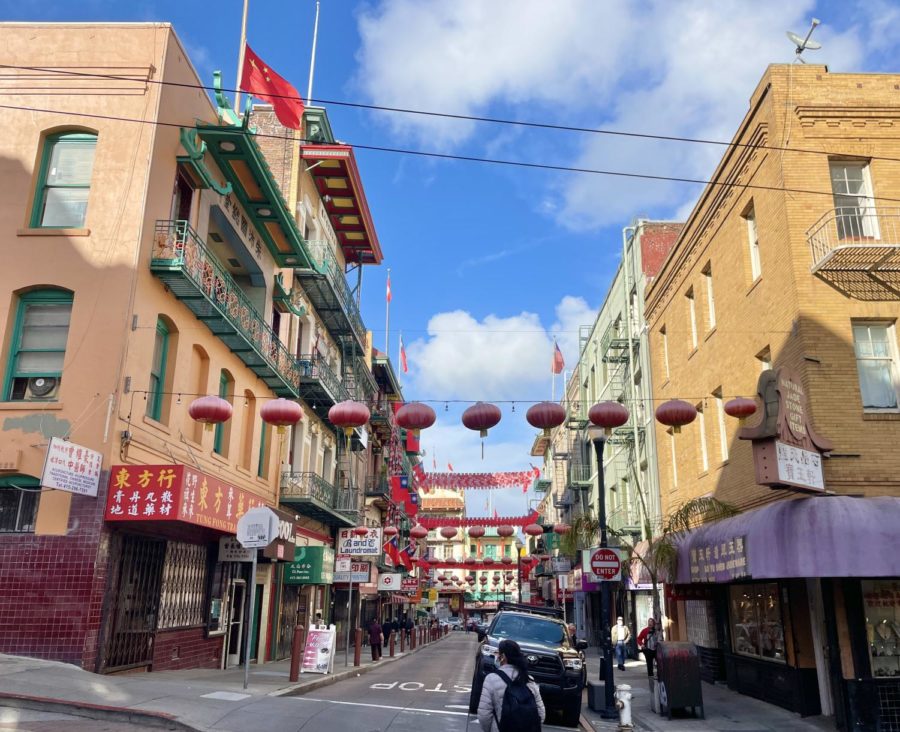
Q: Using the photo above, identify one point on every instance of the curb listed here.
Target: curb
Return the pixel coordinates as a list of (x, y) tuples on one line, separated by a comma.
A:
[(99, 712), (353, 672)]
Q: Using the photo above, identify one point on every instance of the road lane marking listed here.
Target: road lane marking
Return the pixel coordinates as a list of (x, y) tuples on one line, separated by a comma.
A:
[(456, 706), (379, 706)]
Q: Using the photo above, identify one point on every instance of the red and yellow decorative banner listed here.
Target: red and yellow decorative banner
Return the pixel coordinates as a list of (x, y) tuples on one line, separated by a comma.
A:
[(457, 481), (175, 493)]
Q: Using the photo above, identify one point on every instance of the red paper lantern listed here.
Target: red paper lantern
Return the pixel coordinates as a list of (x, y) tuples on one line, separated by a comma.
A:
[(471, 559), (534, 530), (507, 560), (418, 532), (505, 531), (481, 416), (545, 416), (450, 560), (483, 580), (487, 561), (448, 532), (390, 531), (740, 407), (360, 531), (415, 416), (471, 580), (608, 415), (676, 413), (281, 413), (561, 529), (211, 410), (348, 415), (476, 532)]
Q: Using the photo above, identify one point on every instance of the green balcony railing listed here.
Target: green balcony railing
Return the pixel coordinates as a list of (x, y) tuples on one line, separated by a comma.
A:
[(308, 485), (579, 475), (312, 495), (313, 366), (327, 264), (195, 275)]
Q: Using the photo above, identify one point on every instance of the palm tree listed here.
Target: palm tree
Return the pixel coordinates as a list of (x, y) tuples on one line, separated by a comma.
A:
[(661, 553)]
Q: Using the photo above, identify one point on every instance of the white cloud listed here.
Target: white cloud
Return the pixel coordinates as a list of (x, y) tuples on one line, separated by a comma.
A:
[(676, 68)]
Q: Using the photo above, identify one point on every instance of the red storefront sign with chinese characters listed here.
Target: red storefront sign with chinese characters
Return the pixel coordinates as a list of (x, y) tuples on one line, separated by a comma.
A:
[(175, 493)]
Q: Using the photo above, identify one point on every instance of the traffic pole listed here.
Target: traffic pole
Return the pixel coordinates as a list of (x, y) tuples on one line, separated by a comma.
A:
[(250, 619)]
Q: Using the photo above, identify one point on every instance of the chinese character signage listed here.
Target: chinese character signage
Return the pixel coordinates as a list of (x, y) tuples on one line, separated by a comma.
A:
[(175, 493), (312, 565), (71, 468), (360, 546), (362, 573), (720, 562)]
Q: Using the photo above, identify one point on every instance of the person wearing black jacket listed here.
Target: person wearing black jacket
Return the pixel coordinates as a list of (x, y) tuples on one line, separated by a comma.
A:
[(387, 628)]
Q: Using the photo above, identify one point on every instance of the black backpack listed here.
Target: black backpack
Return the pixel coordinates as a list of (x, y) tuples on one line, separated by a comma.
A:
[(519, 712)]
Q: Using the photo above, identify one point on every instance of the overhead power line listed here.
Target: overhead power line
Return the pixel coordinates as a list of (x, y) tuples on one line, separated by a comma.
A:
[(466, 158), (450, 115)]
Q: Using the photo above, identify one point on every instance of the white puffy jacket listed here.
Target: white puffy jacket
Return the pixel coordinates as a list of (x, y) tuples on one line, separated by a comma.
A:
[(492, 698)]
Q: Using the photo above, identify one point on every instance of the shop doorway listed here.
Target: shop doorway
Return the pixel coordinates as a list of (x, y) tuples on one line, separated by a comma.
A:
[(820, 644), (236, 602), (135, 605)]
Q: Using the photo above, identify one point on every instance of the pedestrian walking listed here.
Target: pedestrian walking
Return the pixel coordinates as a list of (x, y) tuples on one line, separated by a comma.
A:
[(510, 699), (408, 626), (620, 637), (647, 640), (387, 628), (375, 639)]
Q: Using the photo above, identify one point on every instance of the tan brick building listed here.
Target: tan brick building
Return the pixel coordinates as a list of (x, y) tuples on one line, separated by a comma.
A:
[(786, 263)]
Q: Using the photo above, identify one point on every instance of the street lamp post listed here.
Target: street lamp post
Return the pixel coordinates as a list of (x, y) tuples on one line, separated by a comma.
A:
[(598, 437)]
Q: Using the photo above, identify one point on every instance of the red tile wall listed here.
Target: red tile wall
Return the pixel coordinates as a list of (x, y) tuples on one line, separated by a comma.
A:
[(189, 648), (52, 587)]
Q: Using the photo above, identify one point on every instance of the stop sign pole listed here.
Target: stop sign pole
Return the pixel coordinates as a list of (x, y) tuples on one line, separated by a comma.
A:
[(598, 437)]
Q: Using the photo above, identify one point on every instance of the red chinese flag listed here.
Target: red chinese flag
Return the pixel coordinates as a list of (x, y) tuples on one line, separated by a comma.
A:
[(260, 81)]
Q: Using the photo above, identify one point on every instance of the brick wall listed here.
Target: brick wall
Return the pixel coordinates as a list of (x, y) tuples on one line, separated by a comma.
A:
[(53, 588), (186, 648), (276, 143), (657, 239)]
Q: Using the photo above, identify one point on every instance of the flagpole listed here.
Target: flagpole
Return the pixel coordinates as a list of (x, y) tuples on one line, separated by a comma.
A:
[(312, 60), (240, 67), (387, 314)]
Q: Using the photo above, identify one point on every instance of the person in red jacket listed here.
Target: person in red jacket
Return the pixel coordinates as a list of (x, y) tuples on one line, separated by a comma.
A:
[(647, 640)]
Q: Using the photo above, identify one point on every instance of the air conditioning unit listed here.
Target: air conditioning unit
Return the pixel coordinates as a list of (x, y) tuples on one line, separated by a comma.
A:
[(42, 388)]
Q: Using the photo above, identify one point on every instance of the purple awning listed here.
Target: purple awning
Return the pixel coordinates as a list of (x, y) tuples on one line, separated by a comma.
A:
[(819, 536)]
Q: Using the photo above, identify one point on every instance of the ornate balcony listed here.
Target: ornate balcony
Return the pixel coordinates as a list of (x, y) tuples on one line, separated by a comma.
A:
[(579, 476), (197, 278), (319, 386), (311, 495), (326, 287), (857, 251)]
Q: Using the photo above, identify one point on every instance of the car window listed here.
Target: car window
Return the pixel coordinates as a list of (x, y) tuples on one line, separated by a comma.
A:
[(525, 628)]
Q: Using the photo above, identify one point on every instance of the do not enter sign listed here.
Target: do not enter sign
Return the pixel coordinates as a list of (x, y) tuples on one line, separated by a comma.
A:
[(604, 563)]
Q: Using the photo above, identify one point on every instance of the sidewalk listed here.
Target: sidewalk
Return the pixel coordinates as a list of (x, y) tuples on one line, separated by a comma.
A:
[(726, 710), (185, 700)]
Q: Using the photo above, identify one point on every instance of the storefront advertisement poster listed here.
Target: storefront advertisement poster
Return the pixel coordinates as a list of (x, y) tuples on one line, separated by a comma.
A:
[(318, 653), (71, 468), (312, 565)]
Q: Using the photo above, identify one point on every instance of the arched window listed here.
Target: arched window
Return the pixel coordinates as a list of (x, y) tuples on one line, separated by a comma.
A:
[(64, 181), (222, 438), (162, 370), (38, 346), (19, 497)]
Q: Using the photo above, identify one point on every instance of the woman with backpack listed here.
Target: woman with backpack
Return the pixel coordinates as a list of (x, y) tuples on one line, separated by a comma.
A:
[(510, 699)]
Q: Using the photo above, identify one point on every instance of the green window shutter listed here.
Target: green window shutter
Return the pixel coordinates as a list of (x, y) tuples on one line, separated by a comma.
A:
[(64, 181), (220, 428), (38, 346), (261, 467), (158, 371)]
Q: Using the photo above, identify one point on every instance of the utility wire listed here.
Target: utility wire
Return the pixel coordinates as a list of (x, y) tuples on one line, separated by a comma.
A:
[(448, 115), (468, 158)]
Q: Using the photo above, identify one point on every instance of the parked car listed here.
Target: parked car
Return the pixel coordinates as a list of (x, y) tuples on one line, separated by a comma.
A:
[(556, 661), (453, 623)]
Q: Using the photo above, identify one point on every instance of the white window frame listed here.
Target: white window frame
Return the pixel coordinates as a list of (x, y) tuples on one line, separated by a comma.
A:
[(894, 357), (867, 228), (720, 416), (753, 243), (692, 312), (710, 298), (704, 452)]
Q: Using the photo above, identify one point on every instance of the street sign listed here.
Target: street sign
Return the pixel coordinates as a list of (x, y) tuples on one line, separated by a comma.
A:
[(257, 528), (388, 582), (230, 550), (605, 564)]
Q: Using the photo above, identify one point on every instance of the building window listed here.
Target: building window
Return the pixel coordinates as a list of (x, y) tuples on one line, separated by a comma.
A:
[(701, 425), (692, 315), (720, 417), (673, 459), (853, 202), (38, 349), (64, 181), (756, 625), (665, 350), (158, 371), (222, 435), (710, 299), (764, 357), (19, 497), (882, 607), (876, 363), (753, 241)]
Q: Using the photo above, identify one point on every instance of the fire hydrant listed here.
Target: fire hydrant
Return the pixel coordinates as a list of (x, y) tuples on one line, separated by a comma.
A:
[(623, 704)]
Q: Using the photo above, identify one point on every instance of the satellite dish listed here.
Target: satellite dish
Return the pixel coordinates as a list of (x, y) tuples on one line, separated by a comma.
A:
[(804, 44)]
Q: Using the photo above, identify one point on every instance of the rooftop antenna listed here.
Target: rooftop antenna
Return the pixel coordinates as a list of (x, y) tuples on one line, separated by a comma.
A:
[(804, 44)]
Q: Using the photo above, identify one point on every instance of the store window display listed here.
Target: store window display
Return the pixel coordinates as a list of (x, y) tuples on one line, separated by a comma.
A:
[(757, 628), (882, 605)]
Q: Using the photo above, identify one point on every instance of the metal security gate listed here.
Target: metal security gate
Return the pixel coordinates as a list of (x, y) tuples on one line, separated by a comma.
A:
[(135, 604)]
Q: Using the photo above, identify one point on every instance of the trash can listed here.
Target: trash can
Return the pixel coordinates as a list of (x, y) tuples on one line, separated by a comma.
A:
[(678, 672)]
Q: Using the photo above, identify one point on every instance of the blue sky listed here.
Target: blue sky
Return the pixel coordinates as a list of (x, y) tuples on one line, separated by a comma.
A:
[(490, 263)]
